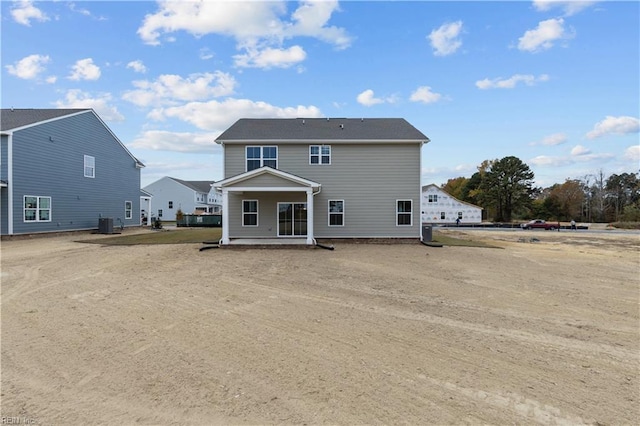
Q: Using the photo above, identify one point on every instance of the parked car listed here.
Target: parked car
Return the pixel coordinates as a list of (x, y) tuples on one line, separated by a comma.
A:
[(540, 224)]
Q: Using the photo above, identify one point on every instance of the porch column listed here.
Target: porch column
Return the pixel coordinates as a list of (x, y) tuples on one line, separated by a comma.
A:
[(225, 216), (310, 216)]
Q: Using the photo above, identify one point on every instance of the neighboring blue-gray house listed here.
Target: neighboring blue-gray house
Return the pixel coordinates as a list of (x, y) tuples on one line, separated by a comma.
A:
[(63, 170), (309, 178)]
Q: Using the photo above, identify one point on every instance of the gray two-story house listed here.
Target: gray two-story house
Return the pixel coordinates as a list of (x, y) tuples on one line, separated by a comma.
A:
[(64, 170), (321, 178)]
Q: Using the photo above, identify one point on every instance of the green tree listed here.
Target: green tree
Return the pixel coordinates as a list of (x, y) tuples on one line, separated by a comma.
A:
[(507, 186), (455, 187), (621, 190), (567, 199)]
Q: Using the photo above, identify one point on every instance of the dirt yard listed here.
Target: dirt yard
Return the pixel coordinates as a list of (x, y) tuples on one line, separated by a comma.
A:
[(533, 332)]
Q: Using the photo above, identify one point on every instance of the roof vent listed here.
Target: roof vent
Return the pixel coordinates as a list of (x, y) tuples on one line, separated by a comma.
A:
[(342, 126)]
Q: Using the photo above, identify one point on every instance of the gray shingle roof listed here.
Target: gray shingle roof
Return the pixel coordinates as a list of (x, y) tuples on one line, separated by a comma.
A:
[(203, 186), (322, 129), (14, 118)]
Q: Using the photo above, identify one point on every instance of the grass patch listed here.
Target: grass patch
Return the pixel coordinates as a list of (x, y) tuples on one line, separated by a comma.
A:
[(446, 240), (173, 236)]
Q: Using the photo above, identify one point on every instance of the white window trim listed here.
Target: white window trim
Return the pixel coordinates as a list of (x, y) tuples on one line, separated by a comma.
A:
[(257, 213), (335, 213), (37, 209), (398, 213), (128, 212), (90, 162), (262, 159), (319, 155)]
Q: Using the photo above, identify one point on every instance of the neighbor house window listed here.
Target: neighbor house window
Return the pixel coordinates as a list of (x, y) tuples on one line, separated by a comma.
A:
[(460, 215), (442, 216), (259, 156), (37, 209), (336, 212), (403, 212), (170, 204), (320, 154), (433, 198), (89, 166), (249, 212), (159, 212), (128, 209)]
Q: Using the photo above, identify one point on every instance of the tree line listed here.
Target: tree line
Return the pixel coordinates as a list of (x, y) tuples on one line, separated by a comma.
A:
[(504, 189)]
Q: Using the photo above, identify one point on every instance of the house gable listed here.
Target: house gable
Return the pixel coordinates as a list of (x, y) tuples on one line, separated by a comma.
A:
[(440, 207), (266, 177)]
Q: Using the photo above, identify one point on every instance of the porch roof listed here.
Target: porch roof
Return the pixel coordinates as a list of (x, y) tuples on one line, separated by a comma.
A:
[(282, 181)]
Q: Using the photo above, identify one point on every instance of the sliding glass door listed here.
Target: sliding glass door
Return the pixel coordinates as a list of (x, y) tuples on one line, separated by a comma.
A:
[(292, 219)]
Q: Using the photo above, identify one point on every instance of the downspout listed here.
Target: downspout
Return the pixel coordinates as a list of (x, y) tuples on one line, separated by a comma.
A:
[(315, 242)]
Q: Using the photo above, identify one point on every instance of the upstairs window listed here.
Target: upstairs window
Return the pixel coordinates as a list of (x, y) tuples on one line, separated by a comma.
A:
[(433, 198), (260, 156), (170, 204), (404, 212), (89, 166), (319, 154), (37, 209)]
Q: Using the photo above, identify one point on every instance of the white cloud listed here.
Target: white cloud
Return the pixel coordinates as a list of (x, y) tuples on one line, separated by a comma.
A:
[(511, 82), (137, 66), (310, 20), (425, 95), (24, 11), (570, 7), (633, 153), (552, 140), (169, 88), (271, 57), (101, 104), (579, 154), (205, 53), (544, 36), (580, 150), (367, 98), (615, 125), (29, 67), (259, 28), (545, 160), (215, 116), (85, 69), (444, 40), (589, 157), (161, 140)]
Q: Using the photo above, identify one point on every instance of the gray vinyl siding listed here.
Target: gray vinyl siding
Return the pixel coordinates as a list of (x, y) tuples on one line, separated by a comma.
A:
[(369, 178), (265, 181), (267, 213), (48, 160)]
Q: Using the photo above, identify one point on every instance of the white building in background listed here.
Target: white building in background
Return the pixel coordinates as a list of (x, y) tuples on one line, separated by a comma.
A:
[(439, 207), (190, 196)]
